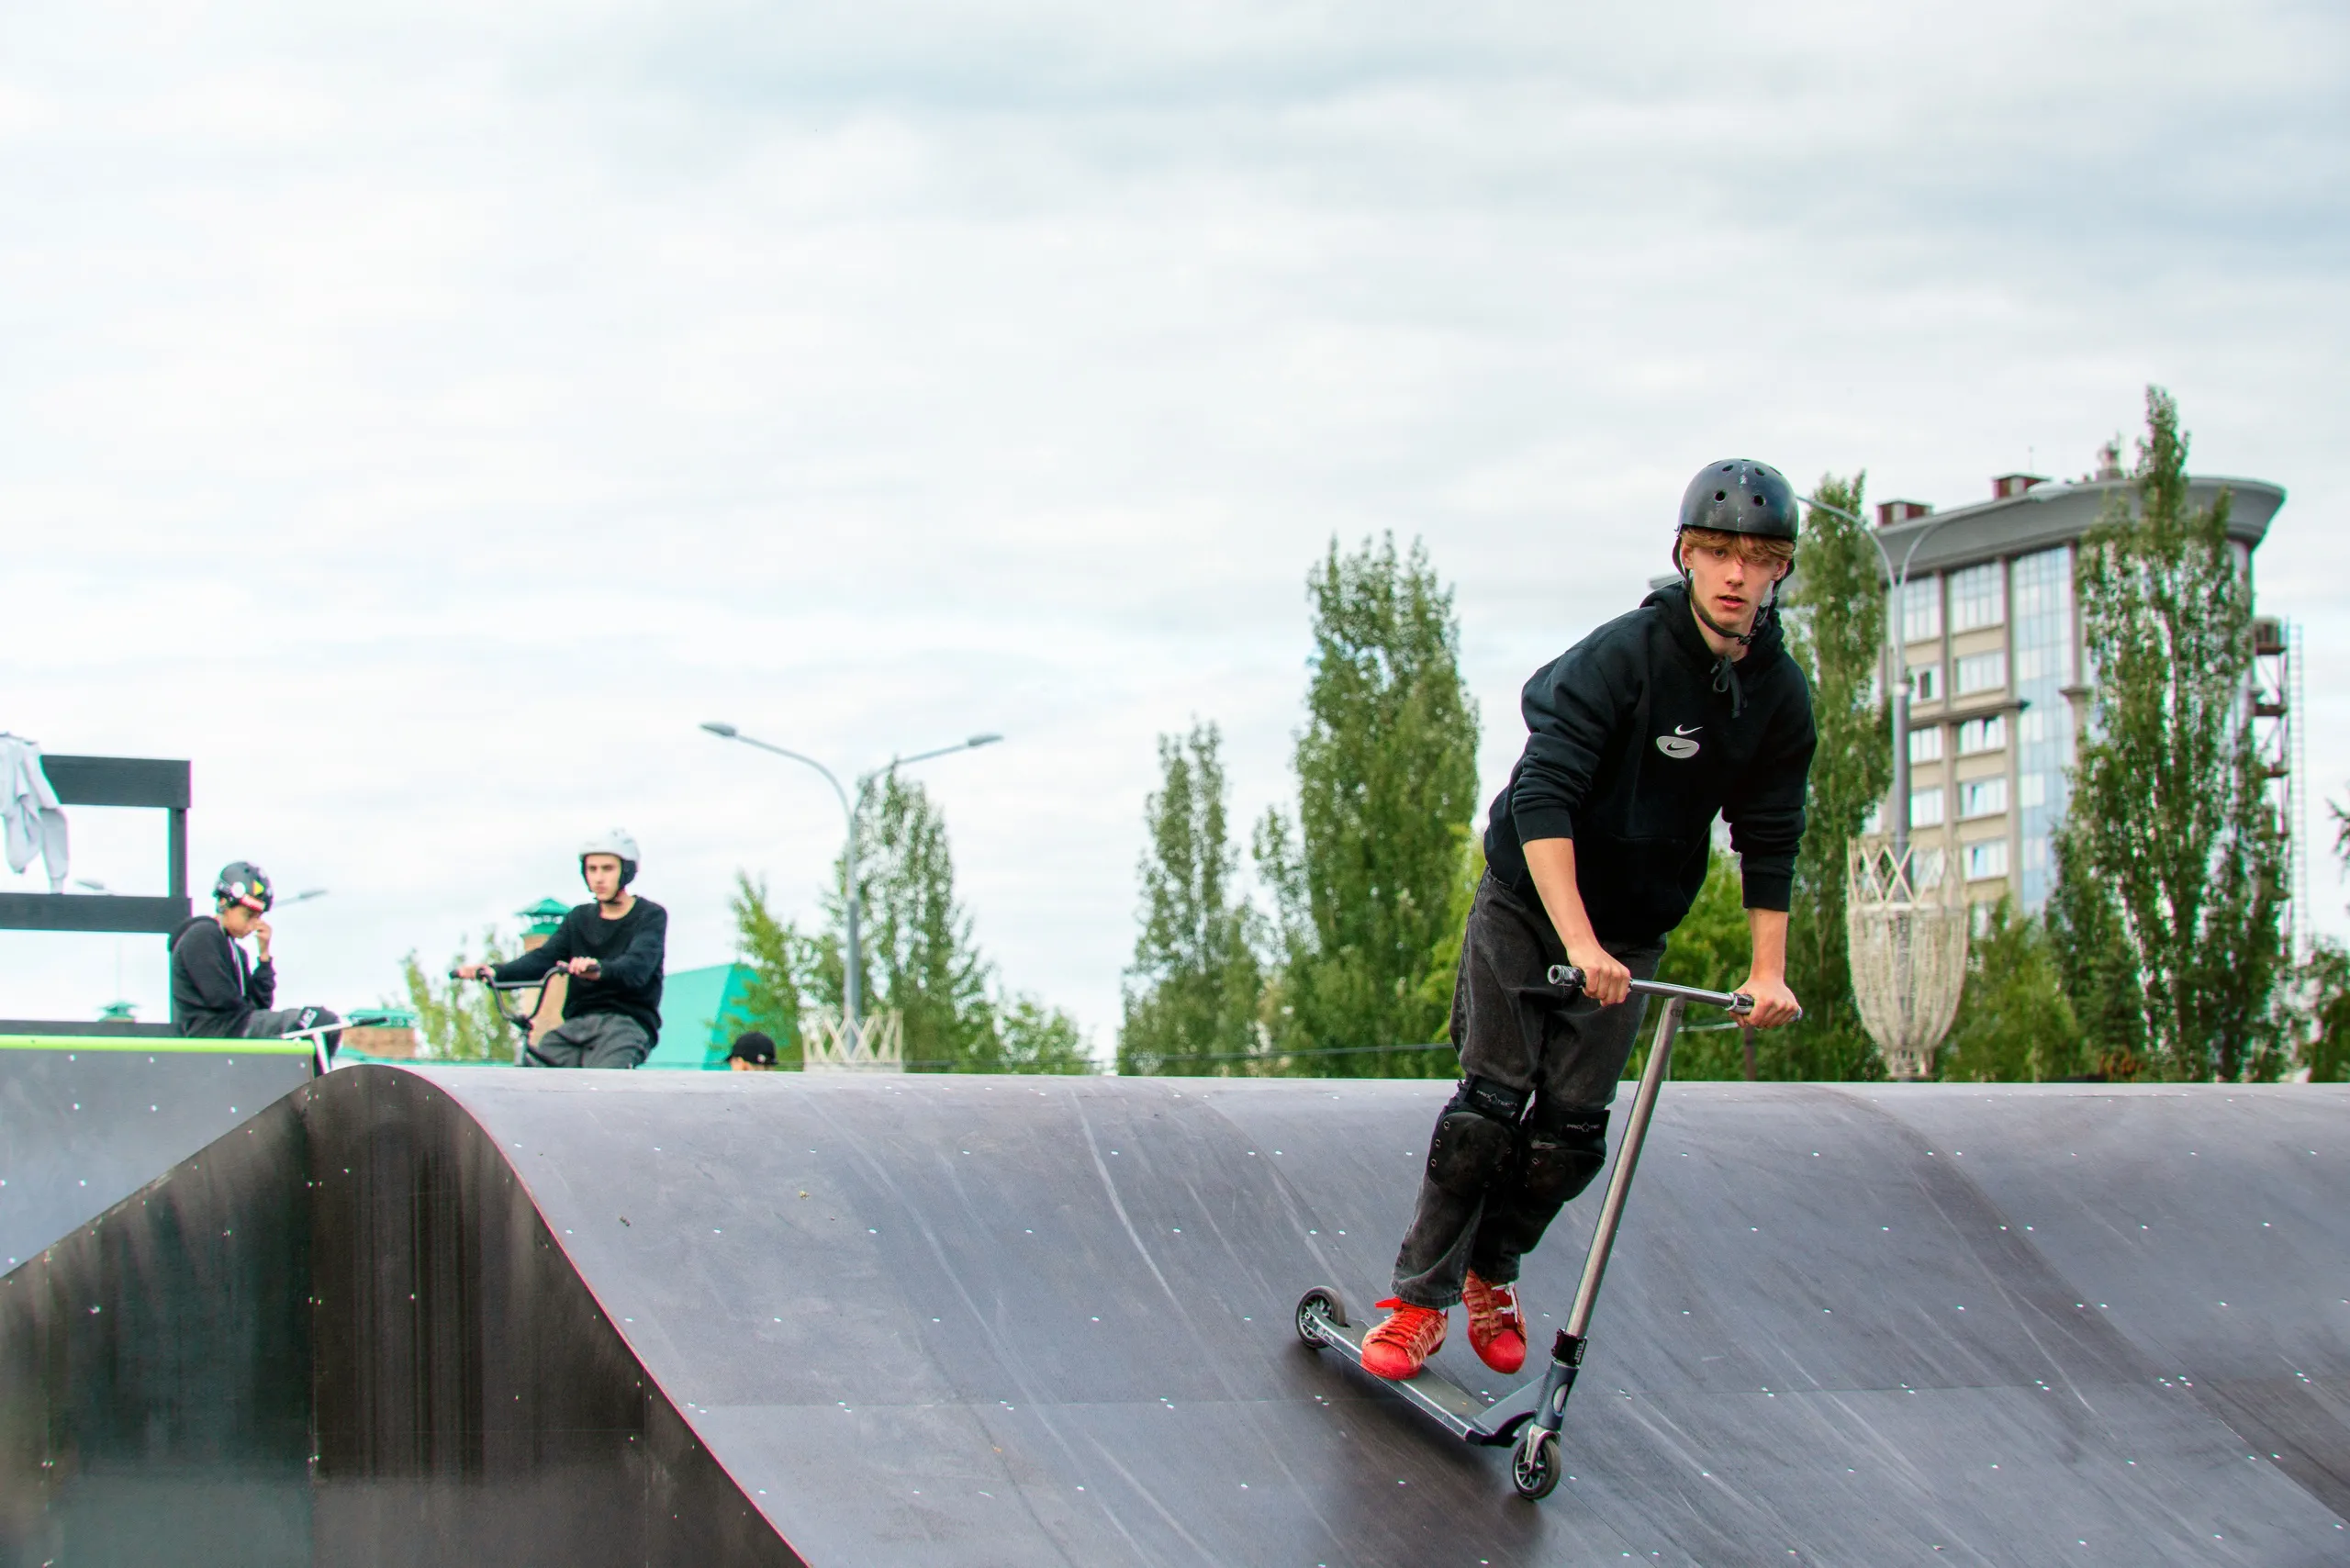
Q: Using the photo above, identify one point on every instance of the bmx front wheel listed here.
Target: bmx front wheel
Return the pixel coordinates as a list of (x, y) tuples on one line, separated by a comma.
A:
[(1533, 1463), (1318, 1303)]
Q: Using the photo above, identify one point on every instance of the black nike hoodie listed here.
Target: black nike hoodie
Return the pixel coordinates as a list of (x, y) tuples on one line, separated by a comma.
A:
[(1635, 740)]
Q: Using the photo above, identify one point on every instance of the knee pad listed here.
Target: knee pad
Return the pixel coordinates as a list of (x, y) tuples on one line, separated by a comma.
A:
[(1476, 1138), (1561, 1149)]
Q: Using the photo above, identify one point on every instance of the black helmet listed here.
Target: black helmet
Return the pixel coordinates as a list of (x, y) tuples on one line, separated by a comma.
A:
[(1740, 496), (241, 882)]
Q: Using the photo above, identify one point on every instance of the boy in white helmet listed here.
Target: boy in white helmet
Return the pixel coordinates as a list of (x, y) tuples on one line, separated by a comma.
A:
[(613, 950)]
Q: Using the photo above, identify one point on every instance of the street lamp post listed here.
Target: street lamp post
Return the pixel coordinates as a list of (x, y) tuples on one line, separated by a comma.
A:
[(1897, 648), (852, 967)]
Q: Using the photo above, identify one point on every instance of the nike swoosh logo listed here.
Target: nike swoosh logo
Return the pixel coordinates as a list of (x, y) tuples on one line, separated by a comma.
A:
[(1687, 728)]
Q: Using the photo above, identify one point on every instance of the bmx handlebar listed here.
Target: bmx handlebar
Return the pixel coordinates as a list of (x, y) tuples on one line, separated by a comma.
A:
[(513, 984), (1738, 1003)]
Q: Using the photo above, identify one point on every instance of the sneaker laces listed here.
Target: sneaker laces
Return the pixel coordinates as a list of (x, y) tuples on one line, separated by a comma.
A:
[(1418, 1328), (1493, 1310)]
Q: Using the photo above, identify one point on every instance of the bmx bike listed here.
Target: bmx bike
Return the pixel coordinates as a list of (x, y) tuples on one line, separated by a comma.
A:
[(499, 992)]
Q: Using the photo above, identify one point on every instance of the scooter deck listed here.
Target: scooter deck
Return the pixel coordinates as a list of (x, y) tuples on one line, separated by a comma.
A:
[(1464, 1415)]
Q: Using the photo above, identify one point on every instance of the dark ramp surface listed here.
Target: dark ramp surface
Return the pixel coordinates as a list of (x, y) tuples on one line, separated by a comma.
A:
[(593, 1317), (86, 1122), (1047, 1321)]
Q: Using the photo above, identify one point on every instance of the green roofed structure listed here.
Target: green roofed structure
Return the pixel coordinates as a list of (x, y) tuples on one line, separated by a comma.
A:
[(545, 918)]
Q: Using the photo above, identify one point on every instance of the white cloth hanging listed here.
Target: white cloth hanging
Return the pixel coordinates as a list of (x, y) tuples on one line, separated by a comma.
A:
[(35, 823)]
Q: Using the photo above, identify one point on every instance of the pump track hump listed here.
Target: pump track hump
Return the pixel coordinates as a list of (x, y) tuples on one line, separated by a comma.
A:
[(482, 1315)]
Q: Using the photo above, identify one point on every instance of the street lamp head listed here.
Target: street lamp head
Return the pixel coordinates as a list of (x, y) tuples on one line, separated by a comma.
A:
[(977, 741), (722, 731)]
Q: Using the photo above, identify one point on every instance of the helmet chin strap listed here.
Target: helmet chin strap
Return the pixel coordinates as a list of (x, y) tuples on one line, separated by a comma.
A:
[(1726, 667)]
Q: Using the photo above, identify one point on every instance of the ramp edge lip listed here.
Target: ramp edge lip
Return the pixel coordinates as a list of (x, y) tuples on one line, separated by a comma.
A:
[(154, 1046)]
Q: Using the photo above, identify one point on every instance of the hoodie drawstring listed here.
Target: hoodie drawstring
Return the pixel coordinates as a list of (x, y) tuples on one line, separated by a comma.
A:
[(1726, 666)]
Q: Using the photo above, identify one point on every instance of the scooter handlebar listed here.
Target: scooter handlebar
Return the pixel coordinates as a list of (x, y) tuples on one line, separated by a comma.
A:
[(1738, 1003)]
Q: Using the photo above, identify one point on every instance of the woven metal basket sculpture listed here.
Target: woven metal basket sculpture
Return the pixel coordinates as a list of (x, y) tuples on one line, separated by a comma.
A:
[(1908, 947)]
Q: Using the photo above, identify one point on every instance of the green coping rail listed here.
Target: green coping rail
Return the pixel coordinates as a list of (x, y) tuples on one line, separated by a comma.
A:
[(154, 1045)]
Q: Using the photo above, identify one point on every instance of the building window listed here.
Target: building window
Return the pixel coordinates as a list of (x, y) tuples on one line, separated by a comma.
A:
[(1925, 868), (1926, 683), (1982, 672), (2041, 634), (1982, 797), (1921, 609), (1979, 597), (1983, 735), (1926, 806), (1988, 859), (1926, 745)]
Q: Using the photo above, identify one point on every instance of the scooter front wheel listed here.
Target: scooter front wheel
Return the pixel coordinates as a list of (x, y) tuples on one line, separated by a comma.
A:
[(1534, 1463)]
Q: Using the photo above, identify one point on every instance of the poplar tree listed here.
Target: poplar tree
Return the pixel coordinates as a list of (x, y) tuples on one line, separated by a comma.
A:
[(1387, 782), (459, 1019), (1192, 993), (1836, 633), (2172, 854), (918, 959), (779, 959)]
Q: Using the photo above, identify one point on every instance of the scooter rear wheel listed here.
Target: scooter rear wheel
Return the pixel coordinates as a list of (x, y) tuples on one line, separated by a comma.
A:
[(1321, 1300), (1534, 1463)]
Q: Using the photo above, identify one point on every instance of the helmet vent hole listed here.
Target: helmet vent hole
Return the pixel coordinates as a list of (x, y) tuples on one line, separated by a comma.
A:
[(1758, 501), (1722, 495)]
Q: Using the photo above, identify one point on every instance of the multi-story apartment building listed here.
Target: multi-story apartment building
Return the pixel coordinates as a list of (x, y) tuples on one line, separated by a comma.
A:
[(1990, 626)]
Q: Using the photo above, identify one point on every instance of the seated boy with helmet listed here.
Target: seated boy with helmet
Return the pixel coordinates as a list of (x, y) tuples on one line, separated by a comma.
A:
[(1636, 737), (613, 950), (216, 992)]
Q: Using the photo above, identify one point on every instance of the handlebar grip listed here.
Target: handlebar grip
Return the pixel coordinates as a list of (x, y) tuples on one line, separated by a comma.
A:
[(1742, 1004), (1567, 976)]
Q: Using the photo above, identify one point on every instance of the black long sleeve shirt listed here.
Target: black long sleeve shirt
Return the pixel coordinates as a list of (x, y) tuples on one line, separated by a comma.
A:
[(214, 989), (631, 951), (1630, 752)]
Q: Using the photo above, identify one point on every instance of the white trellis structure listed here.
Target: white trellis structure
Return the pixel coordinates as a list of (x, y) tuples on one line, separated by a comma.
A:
[(1909, 950), (877, 1044)]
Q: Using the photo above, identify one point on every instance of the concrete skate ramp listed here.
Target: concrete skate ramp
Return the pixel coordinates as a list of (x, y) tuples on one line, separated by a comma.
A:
[(963, 1321), (86, 1121)]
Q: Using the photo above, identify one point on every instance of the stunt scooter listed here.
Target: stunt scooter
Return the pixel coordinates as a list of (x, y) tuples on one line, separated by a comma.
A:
[(1527, 1420), (321, 1059)]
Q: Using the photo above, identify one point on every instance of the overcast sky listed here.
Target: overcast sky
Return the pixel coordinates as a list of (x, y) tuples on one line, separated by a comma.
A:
[(421, 416)]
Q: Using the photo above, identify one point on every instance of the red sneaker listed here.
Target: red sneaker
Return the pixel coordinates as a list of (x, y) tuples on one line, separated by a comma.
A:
[(1400, 1347), (1496, 1328)]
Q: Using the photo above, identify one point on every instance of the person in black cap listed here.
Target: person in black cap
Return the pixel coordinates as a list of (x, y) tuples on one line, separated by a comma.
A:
[(752, 1052), (1636, 737)]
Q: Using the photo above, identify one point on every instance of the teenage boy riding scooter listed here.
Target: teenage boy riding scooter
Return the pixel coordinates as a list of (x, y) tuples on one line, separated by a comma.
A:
[(1637, 736)]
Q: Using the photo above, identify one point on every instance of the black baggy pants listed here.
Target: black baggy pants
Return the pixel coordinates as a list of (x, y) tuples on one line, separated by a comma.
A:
[(1511, 1025)]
